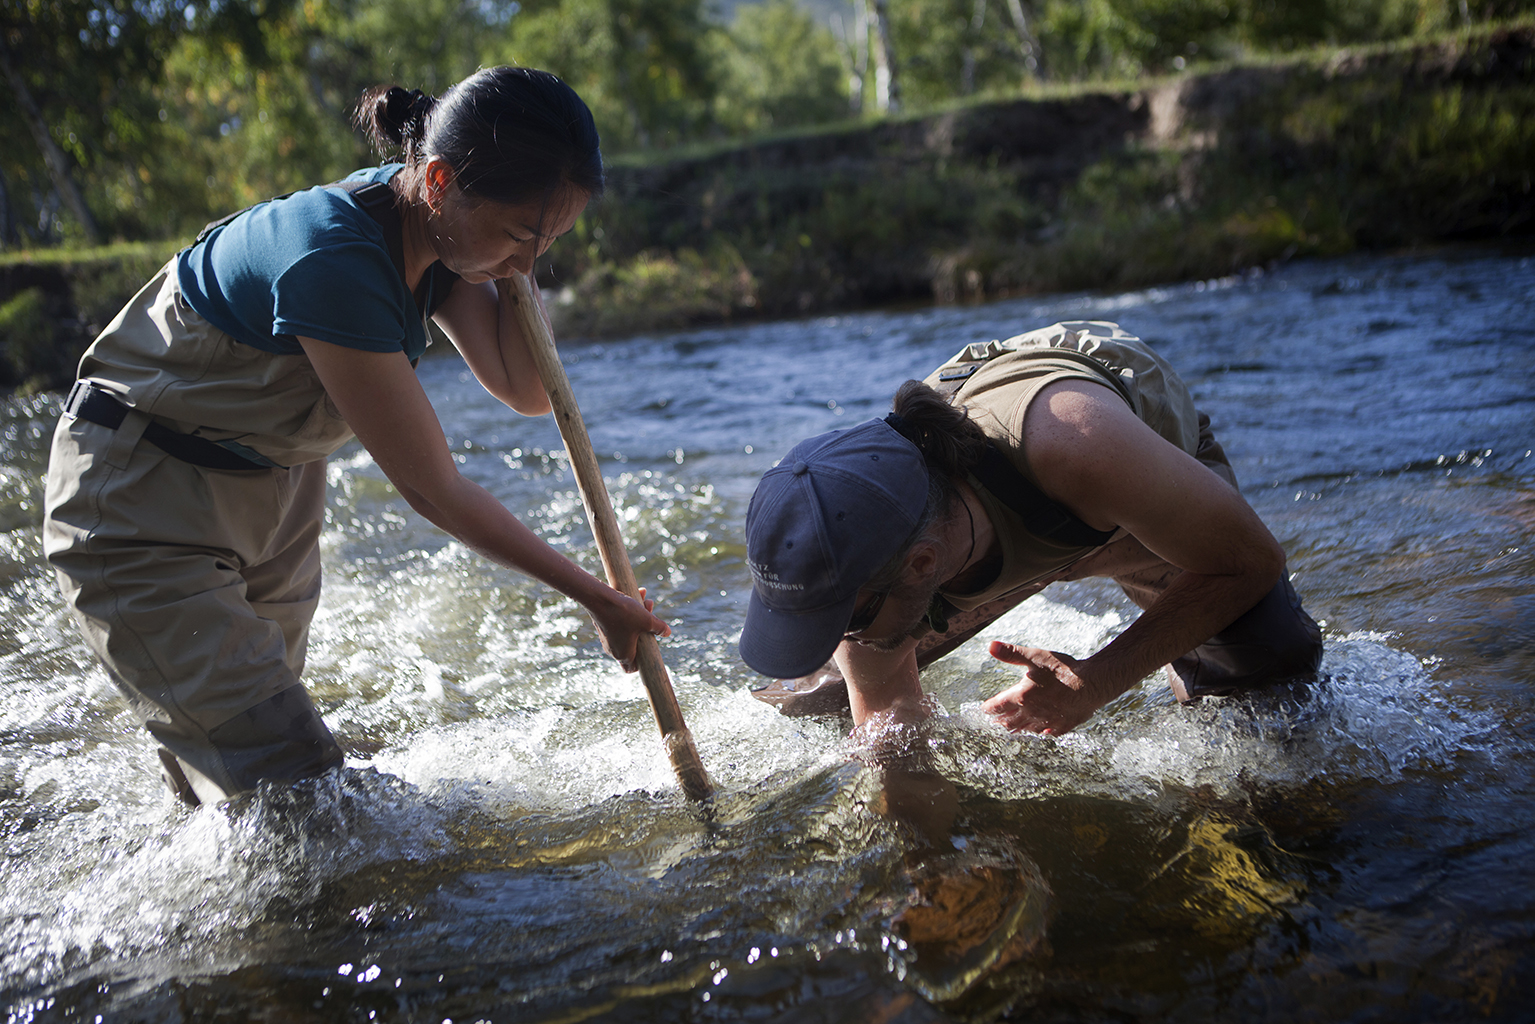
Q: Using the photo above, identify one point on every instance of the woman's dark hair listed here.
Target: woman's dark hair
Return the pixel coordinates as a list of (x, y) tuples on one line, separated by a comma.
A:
[(951, 445), (511, 135)]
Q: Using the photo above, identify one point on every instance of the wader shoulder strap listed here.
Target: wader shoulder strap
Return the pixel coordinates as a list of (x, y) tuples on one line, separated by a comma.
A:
[(377, 200), (1042, 516), (952, 378), (93, 404)]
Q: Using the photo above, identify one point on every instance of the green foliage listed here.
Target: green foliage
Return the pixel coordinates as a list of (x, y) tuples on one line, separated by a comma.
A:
[(1314, 157), (278, 115), (171, 113), (1267, 160), (777, 69), (94, 67), (76, 293), (949, 48), (640, 65), (1132, 219), (1401, 160), (656, 290), (102, 281), (1109, 39), (27, 337), (809, 236)]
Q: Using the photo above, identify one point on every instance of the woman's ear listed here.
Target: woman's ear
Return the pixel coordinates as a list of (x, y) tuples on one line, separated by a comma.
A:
[(437, 179)]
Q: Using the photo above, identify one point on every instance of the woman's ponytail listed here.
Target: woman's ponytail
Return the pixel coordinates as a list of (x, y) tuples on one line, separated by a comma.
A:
[(394, 118), (512, 135)]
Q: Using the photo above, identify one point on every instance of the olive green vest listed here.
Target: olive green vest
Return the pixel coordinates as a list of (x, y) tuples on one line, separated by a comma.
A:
[(997, 381)]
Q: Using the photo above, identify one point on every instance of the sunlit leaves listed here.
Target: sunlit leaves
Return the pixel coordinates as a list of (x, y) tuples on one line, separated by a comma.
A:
[(778, 69), (641, 65)]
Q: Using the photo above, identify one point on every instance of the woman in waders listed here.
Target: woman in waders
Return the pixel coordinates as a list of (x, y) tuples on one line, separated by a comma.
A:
[(186, 485)]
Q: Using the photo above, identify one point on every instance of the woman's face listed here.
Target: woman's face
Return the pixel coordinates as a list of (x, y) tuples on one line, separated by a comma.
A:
[(480, 240)]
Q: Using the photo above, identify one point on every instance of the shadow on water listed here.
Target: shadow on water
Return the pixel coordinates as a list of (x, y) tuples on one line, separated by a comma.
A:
[(507, 842)]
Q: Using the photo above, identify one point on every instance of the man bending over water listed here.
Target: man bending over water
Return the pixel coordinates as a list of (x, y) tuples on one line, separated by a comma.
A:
[(1065, 453)]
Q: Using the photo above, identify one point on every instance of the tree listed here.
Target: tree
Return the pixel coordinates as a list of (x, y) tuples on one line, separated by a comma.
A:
[(641, 65), (777, 69), (85, 75), (265, 115), (887, 81), (952, 48), (59, 169)]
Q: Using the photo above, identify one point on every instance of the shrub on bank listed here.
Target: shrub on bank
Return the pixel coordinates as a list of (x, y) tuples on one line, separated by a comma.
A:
[(656, 291), (77, 293), (1194, 177), (29, 349)]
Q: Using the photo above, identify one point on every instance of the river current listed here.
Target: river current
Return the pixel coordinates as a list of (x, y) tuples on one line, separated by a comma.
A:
[(507, 841)]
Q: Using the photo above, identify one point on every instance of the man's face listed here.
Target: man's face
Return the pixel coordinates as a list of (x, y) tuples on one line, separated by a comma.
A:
[(900, 615)]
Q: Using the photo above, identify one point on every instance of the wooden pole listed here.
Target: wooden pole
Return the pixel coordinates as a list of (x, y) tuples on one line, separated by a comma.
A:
[(522, 294)]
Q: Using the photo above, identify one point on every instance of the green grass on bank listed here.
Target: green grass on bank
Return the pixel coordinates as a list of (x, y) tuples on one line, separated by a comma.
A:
[(116, 251), (1275, 158), (52, 301), (1305, 155)]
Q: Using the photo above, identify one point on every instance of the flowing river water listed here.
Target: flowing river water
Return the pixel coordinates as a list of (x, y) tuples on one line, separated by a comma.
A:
[(507, 842)]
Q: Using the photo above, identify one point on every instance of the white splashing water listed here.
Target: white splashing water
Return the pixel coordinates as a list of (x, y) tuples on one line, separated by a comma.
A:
[(130, 880), (1376, 713), (566, 757)]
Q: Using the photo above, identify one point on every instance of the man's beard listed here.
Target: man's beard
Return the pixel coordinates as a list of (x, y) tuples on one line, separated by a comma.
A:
[(913, 599)]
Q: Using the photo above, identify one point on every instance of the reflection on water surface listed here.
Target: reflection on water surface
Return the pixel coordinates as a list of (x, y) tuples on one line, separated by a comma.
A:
[(507, 842)]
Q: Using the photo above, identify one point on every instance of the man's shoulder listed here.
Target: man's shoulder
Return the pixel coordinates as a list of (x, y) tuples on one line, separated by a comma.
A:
[(1073, 416)]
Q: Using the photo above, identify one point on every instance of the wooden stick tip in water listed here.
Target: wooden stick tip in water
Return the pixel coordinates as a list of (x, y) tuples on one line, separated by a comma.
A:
[(687, 764)]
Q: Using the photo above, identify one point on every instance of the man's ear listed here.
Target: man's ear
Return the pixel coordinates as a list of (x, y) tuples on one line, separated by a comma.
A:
[(438, 178), (922, 559)]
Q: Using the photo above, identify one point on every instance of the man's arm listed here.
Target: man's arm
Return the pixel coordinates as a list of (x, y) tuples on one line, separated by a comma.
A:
[(1092, 454), (480, 321), (881, 681)]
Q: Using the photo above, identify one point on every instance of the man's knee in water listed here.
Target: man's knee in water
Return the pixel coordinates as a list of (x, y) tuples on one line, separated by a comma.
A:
[(1275, 641)]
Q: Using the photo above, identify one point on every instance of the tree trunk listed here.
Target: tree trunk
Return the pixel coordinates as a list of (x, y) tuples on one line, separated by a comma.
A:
[(7, 215), (854, 52), (887, 87), (624, 46), (1027, 44), (972, 44), (53, 156)]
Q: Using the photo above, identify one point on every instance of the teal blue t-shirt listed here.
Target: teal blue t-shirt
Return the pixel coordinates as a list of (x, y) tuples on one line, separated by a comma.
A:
[(314, 263)]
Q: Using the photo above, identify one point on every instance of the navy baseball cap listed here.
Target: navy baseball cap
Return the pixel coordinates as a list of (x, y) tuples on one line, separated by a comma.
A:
[(820, 525)]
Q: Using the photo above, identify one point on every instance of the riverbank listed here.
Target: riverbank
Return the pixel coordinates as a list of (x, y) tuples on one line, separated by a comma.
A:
[(1202, 175), (1198, 176)]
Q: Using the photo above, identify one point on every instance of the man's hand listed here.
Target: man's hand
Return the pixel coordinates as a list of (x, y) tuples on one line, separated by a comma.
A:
[(1051, 700)]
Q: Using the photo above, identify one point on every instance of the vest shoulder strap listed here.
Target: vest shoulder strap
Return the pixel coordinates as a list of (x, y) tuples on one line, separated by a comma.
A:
[(1042, 516)]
